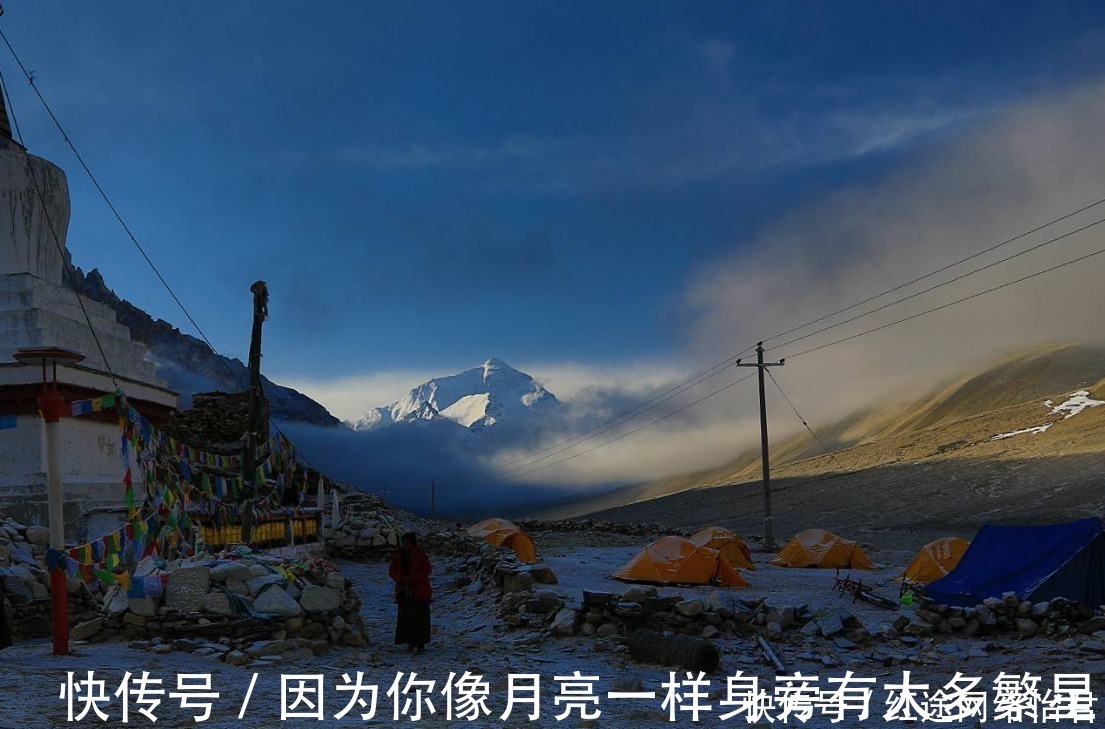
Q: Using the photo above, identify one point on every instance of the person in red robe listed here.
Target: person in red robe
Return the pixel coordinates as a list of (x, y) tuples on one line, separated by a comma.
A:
[(410, 570)]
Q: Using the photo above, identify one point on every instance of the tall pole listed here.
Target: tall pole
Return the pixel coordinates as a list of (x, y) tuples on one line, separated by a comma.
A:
[(257, 419), (52, 404), (52, 407), (765, 456)]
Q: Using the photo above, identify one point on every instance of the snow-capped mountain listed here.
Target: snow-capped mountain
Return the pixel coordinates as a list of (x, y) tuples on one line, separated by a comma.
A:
[(477, 398)]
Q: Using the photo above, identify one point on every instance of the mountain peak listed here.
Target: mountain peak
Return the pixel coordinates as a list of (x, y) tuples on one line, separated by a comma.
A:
[(476, 398)]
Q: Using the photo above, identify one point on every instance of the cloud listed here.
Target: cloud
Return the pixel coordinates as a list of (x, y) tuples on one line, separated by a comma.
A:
[(713, 115), (1035, 162), (1032, 164), (350, 397), (1018, 169)]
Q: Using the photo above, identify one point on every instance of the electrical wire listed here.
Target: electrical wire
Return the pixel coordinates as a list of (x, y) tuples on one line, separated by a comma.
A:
[(66, 265), (798, 414), (524, 462), (130, 234)]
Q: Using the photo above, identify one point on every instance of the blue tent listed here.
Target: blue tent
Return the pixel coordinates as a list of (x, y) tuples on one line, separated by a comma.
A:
[(1036, 562)]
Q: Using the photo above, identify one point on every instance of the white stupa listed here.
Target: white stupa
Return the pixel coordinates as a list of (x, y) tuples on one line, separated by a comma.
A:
[(39, 309)]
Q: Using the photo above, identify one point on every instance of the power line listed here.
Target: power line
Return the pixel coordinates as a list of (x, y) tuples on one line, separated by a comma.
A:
[(508, 468), (968, 274), (951, 303), (640, 428), (1007, 284), (932, 273), (567, 444), (118, 216), (66, 266), (103, 193), (788, 401)]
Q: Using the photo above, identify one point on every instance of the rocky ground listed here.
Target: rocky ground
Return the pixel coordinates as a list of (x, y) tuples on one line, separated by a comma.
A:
[(470, 634)]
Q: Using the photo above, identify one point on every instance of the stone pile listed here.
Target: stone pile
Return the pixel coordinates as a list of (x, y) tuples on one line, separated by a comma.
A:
[(26, 582), (363, 535), (497, 576), (236, 606), (215, 421), (606, 615), (1057, 618)]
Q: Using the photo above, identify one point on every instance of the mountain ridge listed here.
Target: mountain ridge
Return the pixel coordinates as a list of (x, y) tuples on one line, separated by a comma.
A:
[(475, 399), (188, 364)]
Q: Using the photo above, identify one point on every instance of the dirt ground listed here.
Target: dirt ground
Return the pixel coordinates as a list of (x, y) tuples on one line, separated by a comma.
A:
[(466, 637)]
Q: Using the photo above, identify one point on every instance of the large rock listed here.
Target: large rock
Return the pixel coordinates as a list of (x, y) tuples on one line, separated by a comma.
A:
[(564, 624), (218, 603), (270, 648), (690, 608), (256, 584), (831, 625), (186, 589), (274, 601), (1027, 627), (86, 630), (236, 571), (638, 593), (517, 582), (144, 606), (316, 599), (39, 535)]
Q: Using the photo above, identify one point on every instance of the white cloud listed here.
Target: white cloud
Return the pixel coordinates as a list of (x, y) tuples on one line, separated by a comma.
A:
[(1036, 162), (350, 397)]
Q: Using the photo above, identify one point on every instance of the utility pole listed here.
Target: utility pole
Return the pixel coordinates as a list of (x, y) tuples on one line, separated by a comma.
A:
[(258, 415), (760, 365)]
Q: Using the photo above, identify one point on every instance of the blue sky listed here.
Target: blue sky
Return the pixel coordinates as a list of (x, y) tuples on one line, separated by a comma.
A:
[(424, 185)]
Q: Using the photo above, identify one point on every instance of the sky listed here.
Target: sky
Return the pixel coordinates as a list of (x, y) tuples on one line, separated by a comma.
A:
[(607, 195)]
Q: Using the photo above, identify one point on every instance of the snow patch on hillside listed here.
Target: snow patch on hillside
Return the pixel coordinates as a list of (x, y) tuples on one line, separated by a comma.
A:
[(1075, 403)]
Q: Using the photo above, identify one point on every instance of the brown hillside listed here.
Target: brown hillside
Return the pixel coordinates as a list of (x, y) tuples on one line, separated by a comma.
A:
[(1028, 376)]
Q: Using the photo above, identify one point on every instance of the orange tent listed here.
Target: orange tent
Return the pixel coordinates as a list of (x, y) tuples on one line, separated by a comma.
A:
[(819, 548), (731, 546), (502, 533), (674, 560), (935, 560)]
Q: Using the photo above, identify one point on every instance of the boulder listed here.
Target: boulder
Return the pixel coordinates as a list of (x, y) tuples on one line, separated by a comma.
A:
[(517, 582), (1040, 609), (218, 603), (86, 630), (690, 608), (38, 535), (638, 593), (146, 607), (256, 584), (264, 648), (1094, 646), (831, 625), (316, 598), (187, 587), (275, 601), (564, 624), (226, 571)]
